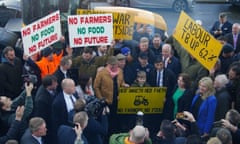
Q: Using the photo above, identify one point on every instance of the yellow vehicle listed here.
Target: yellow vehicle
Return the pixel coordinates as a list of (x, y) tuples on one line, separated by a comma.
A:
[(142, 21), (33, 10)]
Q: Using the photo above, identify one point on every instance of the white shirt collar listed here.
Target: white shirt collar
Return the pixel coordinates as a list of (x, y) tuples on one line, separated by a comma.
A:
[(39, 139), (68, 101)]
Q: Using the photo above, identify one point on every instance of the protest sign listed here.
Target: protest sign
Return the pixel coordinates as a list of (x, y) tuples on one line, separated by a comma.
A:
[(122, 23), (149, 100), (198, 42), (41, 33), (90, 30)]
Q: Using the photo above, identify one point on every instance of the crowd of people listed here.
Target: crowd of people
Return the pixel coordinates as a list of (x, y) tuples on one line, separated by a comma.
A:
[(70, 96)]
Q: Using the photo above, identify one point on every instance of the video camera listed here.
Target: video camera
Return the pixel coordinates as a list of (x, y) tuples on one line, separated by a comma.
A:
[(30, 78), (94, 106)]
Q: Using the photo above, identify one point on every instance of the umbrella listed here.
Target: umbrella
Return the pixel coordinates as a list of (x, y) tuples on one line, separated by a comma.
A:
[(140, 16)]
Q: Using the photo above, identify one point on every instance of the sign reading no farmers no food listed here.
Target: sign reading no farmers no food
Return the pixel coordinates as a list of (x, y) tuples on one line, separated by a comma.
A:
[(41, 33), (90, 30)]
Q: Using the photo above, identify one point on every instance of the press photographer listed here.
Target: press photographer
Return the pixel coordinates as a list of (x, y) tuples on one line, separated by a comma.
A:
[(30, 68), (97, 111), (8, 106), (185, 124), (30, 78)]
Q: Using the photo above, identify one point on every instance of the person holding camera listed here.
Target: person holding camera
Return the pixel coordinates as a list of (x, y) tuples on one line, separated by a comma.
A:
[(231, 122), (13, 131), (186, 124), (69, 135), (167, 135), (97, 127), (8, 106)]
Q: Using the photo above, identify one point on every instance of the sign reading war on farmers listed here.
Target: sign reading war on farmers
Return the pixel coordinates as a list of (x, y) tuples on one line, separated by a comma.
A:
[(149, 100), (122, 23), (90, 30), (41, 33), (198, 42)]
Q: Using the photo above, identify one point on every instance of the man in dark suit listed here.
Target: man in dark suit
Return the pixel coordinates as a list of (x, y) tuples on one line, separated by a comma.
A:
[(63, 104), (67, 135), (63, 71), (170, 61), (43, 101), (36, 131), (221, 27), (234, 37), (160, 77)]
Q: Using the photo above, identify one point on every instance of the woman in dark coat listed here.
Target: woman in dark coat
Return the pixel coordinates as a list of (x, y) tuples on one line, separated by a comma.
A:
[(182, 94)]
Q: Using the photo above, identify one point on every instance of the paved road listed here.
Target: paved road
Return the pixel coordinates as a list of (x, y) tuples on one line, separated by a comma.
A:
[(206, 12)]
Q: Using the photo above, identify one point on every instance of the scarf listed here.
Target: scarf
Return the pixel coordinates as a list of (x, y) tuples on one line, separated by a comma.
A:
[(113, 74)]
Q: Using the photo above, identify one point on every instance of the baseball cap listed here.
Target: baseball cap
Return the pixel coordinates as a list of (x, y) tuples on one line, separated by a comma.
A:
[(120, 56), (112, 60), (125, 51)]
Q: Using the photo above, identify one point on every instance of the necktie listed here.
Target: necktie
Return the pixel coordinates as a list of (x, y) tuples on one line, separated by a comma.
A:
[(165, 60), (72, 100), (158, 78), (235, 41)]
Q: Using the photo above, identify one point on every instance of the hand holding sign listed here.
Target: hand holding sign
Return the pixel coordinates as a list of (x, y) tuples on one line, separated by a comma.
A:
[(198, 42), (90, 30), (41, 33)]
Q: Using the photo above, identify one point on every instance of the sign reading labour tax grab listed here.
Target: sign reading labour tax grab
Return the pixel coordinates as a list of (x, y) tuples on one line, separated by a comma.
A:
[(90, 30), (198, 42), (41, 33), (149, 100)]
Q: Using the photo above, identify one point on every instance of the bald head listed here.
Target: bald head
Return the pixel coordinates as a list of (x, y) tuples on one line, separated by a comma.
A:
[(68, 86)]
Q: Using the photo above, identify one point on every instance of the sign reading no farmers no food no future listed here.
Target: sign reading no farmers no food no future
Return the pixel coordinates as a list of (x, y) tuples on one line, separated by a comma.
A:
[(90, 30), (41, 33)]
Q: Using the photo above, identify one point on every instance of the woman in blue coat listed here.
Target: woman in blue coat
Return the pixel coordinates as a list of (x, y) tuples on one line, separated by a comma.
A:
[(204, 105)]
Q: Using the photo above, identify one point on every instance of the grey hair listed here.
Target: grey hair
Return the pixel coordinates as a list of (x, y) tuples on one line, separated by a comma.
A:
[(222, 79), (35, 123)]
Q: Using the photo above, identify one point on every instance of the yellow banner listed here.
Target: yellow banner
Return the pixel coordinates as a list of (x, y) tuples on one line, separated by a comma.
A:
[(149, 100), (122, 23), (198, 42)]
